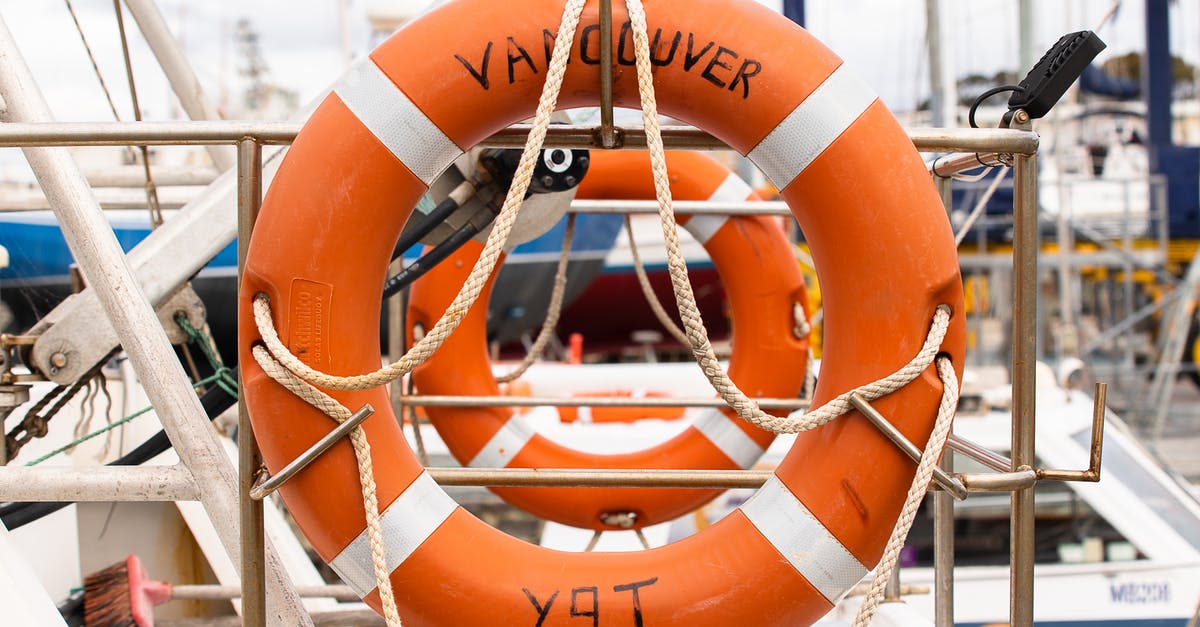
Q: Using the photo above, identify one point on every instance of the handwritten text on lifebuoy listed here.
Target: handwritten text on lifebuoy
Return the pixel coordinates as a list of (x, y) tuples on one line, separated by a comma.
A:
[(723, 67)]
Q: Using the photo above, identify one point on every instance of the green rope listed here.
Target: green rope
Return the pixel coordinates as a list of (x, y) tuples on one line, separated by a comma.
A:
[(223, 378), (105, 429)]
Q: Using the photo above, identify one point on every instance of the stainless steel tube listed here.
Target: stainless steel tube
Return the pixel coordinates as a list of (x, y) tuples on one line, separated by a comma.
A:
[(980, 454), (220, 593), (564, 136), (945, 481), (647, 478), (584, 478), (582, 401), (685, 207), (102, 483), (943, 553), (145, 133), (263, 490), (607, 136), (1024, 347), (253, 535)]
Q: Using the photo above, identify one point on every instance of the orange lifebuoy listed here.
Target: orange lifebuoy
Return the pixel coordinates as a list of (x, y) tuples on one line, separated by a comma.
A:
[(859, 190), (764, 285)]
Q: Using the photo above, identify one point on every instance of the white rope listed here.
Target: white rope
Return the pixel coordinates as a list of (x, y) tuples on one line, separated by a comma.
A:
[(366, 473), (648, 291), (916, 492), (553, 310), (475, 282)]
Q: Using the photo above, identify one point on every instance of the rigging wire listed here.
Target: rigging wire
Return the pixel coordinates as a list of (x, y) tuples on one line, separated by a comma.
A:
[(151, 189), (1112, 10), (96, 68)]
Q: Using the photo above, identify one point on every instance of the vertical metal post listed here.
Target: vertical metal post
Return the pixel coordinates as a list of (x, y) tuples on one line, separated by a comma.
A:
[(943, 551), (1068, 332), (891, 591), (254, 589), (943, 503), (607, 136), (1024, 346)]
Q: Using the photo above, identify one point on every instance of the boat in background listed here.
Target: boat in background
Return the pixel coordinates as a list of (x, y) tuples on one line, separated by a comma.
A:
[(39, 275)]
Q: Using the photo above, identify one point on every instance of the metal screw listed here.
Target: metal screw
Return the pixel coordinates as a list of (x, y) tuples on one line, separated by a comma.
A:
[(625, 520), (547, 181), (570, 181), (1022, 116), (58, 360)]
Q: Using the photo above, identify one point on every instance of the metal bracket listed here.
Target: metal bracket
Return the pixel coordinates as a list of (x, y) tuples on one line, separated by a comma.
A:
[(1092, 474), (950, 484), (184, 301), (268, 484)]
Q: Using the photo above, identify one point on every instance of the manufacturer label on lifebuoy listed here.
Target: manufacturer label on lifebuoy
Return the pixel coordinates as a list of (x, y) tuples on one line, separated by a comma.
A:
[(308, 336)]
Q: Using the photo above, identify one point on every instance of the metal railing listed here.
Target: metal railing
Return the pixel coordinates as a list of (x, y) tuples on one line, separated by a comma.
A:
[(250, 137), (1016, 146)]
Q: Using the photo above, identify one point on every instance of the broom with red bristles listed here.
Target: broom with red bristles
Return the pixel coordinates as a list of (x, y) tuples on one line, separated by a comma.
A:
[(122, 596)]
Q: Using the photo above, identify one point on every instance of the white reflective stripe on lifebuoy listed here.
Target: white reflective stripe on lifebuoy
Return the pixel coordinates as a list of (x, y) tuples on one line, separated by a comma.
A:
[(732, 189), (726, 436), (504, 445), (802, 540), (704, 227), (407, 523), (811, 127), (396, 122)]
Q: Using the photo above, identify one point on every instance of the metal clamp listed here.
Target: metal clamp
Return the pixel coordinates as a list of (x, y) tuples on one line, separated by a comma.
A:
[(269, 484), (1092, 474), (950, 484)]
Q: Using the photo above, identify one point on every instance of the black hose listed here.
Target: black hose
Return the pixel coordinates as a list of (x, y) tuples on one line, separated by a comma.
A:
[(215, 401), (430, 222), (984, 96), (418, 268)]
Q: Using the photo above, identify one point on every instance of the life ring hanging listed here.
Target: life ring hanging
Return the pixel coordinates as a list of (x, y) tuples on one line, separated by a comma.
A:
[(733, 68), (763, 283)]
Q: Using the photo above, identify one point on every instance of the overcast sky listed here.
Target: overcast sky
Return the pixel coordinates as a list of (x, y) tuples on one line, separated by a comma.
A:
[(301, 41)]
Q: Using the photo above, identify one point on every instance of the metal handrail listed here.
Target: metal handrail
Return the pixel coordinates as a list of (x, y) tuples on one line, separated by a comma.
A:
[(565, 135)]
